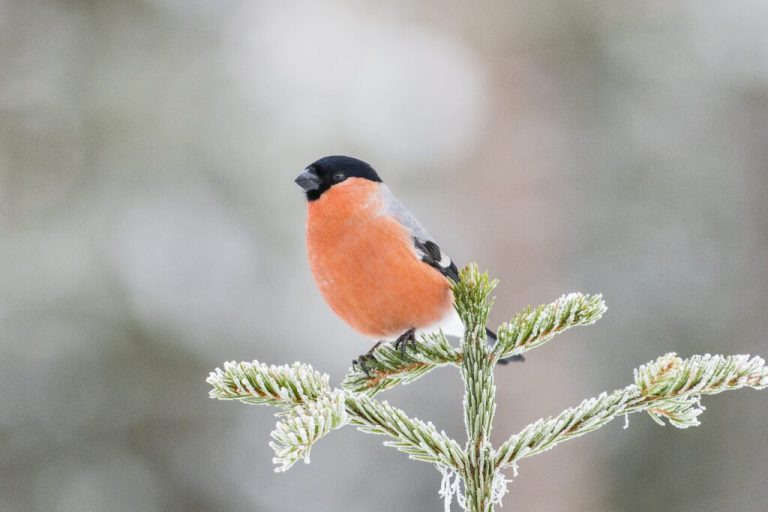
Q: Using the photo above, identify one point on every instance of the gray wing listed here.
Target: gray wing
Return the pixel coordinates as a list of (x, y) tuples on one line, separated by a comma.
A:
[(425, 247)]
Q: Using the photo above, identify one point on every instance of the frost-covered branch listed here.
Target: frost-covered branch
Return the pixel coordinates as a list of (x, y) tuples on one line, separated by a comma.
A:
[(301, 428), (390, 366), (669, 387), (420, 440), (534, 327), (309, 410), (473, 302), (261, 384), (527, 330)]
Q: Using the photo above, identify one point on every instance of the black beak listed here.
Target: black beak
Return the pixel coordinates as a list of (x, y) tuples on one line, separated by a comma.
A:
[(308, 180)]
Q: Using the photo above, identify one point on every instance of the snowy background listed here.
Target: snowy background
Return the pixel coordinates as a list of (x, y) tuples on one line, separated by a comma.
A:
[(150, 229)]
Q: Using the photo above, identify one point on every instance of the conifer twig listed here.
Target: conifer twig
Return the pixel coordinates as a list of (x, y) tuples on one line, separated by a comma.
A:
[(529, 329), (301, 428), (309, 410), (473, 303), (534, 327), (390, 366), (668, 388), (257, 383), (420, 440)]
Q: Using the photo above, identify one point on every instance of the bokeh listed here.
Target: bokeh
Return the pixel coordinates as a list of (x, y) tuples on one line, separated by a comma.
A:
[(150, 229)]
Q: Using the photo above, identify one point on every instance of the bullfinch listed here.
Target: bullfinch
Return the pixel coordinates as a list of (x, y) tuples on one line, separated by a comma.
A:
[(375, 264)]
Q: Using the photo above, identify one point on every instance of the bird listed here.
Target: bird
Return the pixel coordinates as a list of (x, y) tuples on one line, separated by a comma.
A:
[(374, 263)]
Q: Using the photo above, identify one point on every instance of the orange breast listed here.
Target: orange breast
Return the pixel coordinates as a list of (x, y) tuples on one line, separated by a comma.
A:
[(365, 265)]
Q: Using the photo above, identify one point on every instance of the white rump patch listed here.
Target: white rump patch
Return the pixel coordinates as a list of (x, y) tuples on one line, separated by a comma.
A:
[(450, 324)]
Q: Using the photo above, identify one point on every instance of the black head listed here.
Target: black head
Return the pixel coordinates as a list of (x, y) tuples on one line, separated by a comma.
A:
[(332, 170)]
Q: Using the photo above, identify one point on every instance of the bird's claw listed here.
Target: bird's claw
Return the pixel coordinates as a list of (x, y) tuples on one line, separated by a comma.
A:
[(402, 342), (363, 362)]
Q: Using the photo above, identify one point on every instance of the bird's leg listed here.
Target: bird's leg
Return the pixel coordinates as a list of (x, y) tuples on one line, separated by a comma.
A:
[(402, 341), (361, 360)]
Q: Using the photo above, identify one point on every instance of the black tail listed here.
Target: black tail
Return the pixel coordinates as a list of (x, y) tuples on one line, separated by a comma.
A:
[(510, 359)]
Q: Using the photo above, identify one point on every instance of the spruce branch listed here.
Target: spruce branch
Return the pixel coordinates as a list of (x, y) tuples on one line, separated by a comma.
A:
[(669, 387), (420, 440), (261, 384), (301, 428), (309, 410), (527, 330), (473, 302), (534, 327), (390, 366)]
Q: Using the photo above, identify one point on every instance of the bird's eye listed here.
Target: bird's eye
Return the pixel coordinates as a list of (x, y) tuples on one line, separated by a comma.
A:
[(339, 177)]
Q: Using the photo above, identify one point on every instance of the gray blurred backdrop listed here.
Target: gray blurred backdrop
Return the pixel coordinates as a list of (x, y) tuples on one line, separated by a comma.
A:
[(150, 229)]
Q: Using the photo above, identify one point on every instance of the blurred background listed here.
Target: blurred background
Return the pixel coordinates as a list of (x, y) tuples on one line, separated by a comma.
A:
[(150, 229)]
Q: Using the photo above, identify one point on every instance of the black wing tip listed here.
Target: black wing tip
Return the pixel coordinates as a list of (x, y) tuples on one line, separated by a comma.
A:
[(432, 257), (511, 359)]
